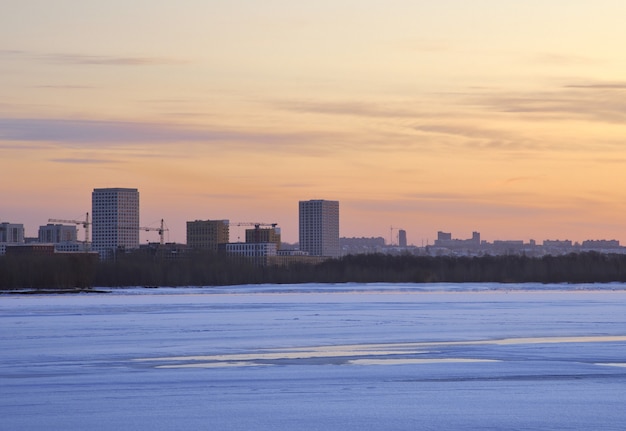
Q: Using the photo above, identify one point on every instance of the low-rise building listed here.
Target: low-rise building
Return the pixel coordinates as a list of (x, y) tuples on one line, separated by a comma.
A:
[(57, 233), (263, 235), (11, 233), (207, 234)]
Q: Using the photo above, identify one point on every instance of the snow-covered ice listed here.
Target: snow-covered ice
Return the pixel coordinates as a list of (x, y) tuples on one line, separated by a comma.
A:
[(316, 357)]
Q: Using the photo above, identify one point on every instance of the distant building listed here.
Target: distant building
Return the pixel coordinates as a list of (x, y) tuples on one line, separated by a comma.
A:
[(509, 243), (257, 253), (115, 220), (319, 227), (70, 247), (57, 233), (259, 235), (444, 239), (287, 257), (557, 243), (363, 245), (444, 236), (291, 253), (601, 244), (169, 250), (508, 246), (207, 234), (12, 233), (30, 249), (402, 238)]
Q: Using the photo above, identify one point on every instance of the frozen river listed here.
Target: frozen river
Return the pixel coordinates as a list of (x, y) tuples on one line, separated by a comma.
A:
[(316, 357)]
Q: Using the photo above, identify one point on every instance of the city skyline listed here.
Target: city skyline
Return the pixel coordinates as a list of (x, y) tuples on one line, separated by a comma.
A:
[(236, 228), (498, 117)]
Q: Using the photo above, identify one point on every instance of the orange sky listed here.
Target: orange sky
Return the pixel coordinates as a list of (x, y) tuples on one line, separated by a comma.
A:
[(506, 118)]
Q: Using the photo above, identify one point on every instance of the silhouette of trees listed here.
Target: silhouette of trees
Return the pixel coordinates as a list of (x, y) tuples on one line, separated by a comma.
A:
[(47, 271), (64, 271)]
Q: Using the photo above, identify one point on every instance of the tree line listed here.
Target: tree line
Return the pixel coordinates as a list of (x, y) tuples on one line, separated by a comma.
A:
[(81, 271)]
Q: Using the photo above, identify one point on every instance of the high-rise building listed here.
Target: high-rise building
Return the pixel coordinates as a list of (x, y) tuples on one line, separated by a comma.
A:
[(319, 227), (115, 220), (207, 234), (402, 238)]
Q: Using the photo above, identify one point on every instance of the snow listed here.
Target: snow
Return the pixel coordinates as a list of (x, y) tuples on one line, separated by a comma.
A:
[(316, 357)]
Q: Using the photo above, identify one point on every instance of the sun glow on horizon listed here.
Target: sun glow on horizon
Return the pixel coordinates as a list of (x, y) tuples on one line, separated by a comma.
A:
[(445, 116)]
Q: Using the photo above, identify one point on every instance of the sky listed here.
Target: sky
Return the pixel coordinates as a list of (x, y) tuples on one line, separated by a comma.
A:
[(498, 116)]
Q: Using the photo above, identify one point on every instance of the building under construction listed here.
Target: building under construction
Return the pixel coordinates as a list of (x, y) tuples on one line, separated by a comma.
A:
[(207, 234)]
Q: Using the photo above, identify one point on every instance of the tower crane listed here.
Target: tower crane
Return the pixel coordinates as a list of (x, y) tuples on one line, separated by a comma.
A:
[(161, 229), (85, 223), (256, 225), (391, 229)]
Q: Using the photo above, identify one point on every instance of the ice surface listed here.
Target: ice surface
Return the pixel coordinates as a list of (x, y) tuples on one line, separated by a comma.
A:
[(316, 357)]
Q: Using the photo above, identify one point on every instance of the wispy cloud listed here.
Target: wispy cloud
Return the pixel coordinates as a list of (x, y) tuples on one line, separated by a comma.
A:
[(589, 102), (84, 161), (296, 185), (65, 87), (119, 134), (96, 132), (89, 59), (353, 108), (82, 59), (522, 179), (485, 206), (8, 52), (599, 86), (460, 130), (563, 59), (477, 138), (226, 196)]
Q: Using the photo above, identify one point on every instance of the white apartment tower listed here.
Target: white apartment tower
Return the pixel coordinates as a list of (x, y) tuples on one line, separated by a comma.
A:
[(319, 227), (115, 220)]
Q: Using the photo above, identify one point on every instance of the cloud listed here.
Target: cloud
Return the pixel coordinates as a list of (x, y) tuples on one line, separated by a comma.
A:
[(522, 179), (226, 196), (567, 103), (98, 134), (612, 160), (8, 52), (81, 59), (360, 109), (86, 59), (65, 87), (478, 138), (472, 206), (83, 161), (459, 130), (563, 59), (599, 86), (296, 185), (95, 132)]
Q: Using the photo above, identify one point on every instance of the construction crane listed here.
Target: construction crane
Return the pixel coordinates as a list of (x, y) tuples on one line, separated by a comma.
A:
[(256, 225), (85, 223), (391, 229), (161, 229)]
